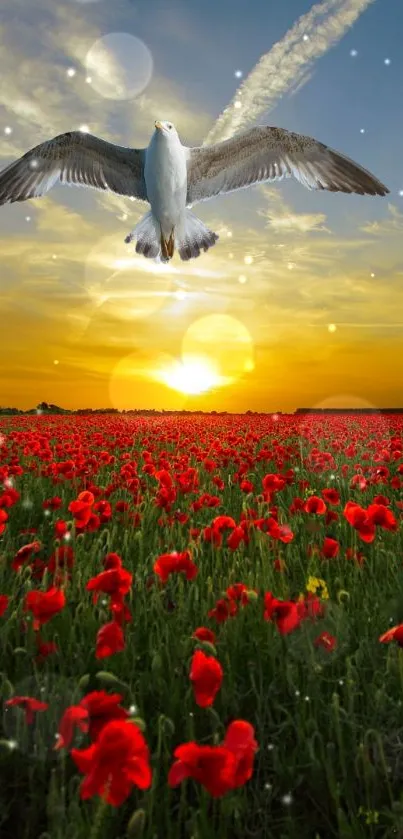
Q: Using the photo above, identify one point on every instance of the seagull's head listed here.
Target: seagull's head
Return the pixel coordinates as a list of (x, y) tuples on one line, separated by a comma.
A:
[(166, 130)]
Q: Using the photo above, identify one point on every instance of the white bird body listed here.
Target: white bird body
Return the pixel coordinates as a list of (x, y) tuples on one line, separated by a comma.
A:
[(165, 174), (172, 177)]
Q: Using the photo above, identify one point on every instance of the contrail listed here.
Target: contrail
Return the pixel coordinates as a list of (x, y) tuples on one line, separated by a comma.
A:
[(287, 64)]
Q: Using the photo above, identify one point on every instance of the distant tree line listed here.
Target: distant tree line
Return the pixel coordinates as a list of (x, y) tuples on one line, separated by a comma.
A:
[(49, 408)]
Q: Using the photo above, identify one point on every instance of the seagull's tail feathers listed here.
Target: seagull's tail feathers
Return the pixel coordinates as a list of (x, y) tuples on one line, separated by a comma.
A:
[(148, 234), (193, 236)]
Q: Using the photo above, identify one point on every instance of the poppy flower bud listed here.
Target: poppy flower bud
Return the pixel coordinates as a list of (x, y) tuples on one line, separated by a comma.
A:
[(136, 824)]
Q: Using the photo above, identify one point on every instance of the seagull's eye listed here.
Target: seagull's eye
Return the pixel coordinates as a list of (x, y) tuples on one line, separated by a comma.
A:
[(169, 126)]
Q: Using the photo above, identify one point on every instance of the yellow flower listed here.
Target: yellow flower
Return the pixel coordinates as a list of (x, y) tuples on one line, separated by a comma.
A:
[(316, 583)]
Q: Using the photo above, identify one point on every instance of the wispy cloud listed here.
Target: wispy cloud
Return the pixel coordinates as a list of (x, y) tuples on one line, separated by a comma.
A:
[(286, 66)]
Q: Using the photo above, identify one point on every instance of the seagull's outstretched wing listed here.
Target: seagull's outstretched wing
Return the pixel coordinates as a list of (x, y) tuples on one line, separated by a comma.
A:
[(266, 153), (74, 158)]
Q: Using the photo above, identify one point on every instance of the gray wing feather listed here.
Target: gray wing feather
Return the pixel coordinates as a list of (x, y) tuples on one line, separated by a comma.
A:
[(266, 153), (77, 159)]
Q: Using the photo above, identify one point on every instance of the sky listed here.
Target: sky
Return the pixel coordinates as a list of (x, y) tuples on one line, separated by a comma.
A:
[(299, 303)]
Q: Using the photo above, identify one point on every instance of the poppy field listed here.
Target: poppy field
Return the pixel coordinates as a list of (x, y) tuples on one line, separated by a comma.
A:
[(201, 626)]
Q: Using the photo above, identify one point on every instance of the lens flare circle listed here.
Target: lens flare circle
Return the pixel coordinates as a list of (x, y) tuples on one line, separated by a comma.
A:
[(120, 66), (223, 341)]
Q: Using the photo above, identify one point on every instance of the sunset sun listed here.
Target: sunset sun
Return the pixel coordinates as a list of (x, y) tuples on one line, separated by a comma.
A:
[(191, 376)]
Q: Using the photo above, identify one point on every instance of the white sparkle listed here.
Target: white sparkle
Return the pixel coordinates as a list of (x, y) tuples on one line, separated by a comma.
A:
[(291, 265), (372, 275), (268, 786), (71, 72), (88, 79), (12, 744), (238, 74), (362, 130), (124, 217), (27, 218), (341, 681), (297, 693), (67, 537), (305, 37), (46, 513), (242, 279), (237, 104), (353, 53), (401, 193), (84, 129), (248, 260), (27, 503), (332, 327), (8, 483), (133, 709), (8, 129), (33, 164), (180, 294), (270, 747), (387, 61), (56, 361), (229, 233), (307, 699), (287, 799), (332, 477), (54, 256)]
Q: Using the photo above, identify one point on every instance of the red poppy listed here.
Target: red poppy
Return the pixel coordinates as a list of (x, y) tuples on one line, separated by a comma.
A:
[(114, 581), (73, 716), (29, 704), (285, 613), (24, 554), (212, 766), (204, 634), (206, 674), (116, 762), (331, 496), (3, 519), (240, 740), (393, 634), (239, 592), (326, 640), (218, 768), (174, 562), (359, 519), (223, 610), (316, 505), (380, 515), (330, 548), (110, 640), (102, 707), (44, 604), (4, 601)]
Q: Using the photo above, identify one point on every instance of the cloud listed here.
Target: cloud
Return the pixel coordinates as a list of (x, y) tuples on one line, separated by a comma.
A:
[(390, 225), (287, 64)]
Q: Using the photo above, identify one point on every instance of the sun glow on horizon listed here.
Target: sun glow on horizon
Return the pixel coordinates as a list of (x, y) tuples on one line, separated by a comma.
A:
[(191, 376)]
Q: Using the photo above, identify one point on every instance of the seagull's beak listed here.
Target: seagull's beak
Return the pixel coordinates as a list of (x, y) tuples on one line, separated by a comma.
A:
[(159, 126)]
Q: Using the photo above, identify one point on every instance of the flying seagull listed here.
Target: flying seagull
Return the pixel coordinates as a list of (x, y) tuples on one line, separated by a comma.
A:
[(172, 177)]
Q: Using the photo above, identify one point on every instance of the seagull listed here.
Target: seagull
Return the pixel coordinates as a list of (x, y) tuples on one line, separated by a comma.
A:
[(172, 177)]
